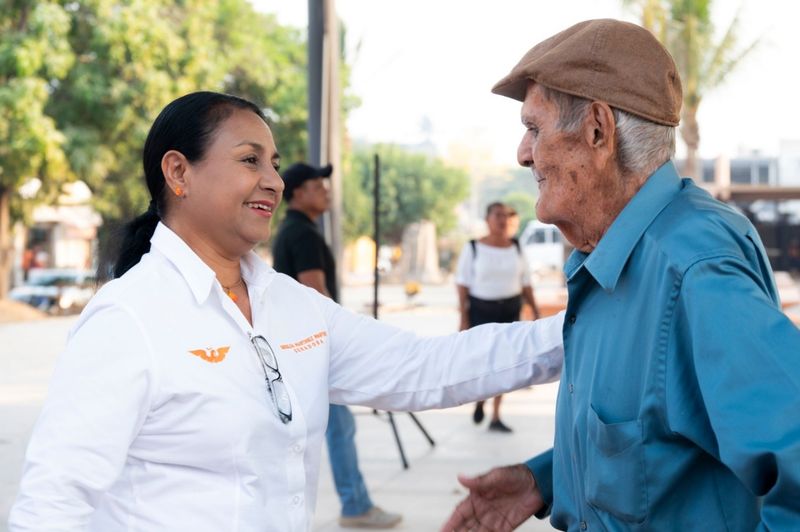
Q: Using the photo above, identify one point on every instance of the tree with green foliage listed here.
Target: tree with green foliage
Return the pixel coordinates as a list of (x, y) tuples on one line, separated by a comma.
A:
[(134, 58), (357, 196), (34, 56), (413, 187), (83, 81), (704, 62), (266, 63)]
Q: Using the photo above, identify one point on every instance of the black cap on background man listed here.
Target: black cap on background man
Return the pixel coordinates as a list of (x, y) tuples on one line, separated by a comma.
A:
[(299, 173)]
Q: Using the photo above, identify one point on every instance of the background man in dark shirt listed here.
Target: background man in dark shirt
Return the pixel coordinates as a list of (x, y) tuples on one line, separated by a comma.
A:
[(300, 251)]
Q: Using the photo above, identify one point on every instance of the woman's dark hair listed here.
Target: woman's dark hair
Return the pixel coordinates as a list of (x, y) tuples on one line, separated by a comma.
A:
[(492, 206), (186, 125)]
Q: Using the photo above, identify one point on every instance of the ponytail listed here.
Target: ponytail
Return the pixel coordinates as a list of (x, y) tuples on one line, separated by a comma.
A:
[(136, 240)]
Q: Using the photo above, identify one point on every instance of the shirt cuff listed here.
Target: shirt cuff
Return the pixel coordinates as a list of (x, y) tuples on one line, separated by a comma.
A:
[(542, 469)]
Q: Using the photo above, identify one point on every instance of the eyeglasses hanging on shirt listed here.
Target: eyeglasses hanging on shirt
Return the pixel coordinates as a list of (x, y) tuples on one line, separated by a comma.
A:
[(275, 386)]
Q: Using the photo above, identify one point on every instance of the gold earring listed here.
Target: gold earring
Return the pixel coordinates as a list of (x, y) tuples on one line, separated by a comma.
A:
[(178, 191)]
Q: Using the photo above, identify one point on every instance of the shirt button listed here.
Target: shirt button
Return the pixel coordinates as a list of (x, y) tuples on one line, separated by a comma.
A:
[(572, 319), (571, 388), (584, 526), (296, 500), (297, 448)]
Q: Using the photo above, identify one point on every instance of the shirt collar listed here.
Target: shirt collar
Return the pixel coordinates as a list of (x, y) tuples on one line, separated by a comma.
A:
[(197, 274), (608, 259), (256, 273)]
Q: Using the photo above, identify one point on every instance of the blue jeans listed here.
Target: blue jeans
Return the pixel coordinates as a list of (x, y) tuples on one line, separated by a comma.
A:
[(344, 461)]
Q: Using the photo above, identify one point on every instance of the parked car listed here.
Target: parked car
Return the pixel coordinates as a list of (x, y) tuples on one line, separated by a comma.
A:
[(56, 291), (543, 246)]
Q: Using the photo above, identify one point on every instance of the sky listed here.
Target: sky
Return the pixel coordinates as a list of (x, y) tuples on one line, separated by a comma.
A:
[(435, 61)]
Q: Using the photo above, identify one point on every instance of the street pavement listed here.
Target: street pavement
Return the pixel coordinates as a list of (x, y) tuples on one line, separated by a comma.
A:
[(425, 493)]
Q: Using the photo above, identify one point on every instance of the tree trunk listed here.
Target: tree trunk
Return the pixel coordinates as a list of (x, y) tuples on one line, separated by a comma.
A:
[(6, 248), (690, 132)]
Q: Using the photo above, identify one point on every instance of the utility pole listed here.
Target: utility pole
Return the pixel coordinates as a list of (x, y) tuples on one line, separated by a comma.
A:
[(324, 126)]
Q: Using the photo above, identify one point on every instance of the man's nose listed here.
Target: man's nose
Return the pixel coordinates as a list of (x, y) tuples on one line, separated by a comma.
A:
[(525, 153)]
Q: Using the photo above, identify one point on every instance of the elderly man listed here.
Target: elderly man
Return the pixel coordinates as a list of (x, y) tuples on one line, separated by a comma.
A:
[(679, 404)]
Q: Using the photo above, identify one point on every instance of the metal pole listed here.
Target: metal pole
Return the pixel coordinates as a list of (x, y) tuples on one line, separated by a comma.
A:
[(376, 224), (403, 458), (377, 235), (422, 429), (316, 29), (323, 114), (331, 147)]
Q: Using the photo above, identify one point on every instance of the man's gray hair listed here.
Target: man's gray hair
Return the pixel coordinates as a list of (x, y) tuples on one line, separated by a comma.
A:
[(642, 146)]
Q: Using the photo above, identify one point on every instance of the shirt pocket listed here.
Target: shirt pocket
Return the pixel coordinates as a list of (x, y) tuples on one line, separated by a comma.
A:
[(615, 468)]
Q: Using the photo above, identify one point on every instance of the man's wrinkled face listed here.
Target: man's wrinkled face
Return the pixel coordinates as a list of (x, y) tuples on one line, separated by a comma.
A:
[(560, 162)]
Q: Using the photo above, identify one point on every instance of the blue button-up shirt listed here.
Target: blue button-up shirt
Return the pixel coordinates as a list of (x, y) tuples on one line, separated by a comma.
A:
[(679, 405)]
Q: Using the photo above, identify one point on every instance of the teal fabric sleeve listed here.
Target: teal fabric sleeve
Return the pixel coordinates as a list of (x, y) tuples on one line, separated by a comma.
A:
[(542, 468)]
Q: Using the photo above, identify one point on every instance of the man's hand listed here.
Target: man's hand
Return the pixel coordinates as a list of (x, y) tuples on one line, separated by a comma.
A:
[(498, 501)]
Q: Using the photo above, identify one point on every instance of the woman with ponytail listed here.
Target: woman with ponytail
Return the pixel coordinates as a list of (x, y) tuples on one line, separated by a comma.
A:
[(194, 389)]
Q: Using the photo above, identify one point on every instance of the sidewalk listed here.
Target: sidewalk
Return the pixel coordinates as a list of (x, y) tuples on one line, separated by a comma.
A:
[(428, 491), (425, 494)]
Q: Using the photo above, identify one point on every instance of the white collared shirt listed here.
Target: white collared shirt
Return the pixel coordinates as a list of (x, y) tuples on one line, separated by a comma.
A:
[(158, 416), (492, 272)]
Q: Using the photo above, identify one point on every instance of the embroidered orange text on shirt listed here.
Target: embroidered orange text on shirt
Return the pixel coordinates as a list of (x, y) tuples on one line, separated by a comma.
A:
[(211, 354), (315, 340)]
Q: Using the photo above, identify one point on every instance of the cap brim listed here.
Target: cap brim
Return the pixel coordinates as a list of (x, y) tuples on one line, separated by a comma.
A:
[(512, 87)]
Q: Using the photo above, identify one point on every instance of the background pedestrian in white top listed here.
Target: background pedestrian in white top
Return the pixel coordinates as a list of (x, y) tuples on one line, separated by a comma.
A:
[(193, 392), (492, 279)]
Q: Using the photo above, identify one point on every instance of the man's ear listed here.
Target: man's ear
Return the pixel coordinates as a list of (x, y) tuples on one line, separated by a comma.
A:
[(600, 128), (175, 167), (298, 192)]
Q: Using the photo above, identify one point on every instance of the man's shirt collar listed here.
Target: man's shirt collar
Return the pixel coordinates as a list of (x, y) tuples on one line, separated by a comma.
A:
[(608, 259), (197, 274)]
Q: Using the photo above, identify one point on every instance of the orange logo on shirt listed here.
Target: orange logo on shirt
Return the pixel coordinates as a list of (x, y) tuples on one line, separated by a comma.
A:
[(307, 343), (212, 355)]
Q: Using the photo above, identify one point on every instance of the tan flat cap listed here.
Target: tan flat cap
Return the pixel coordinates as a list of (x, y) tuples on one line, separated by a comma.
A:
[(609, 60)]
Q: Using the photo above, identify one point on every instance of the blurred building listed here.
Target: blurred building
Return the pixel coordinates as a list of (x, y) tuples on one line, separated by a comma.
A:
[(766, 189), (62, 235)]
